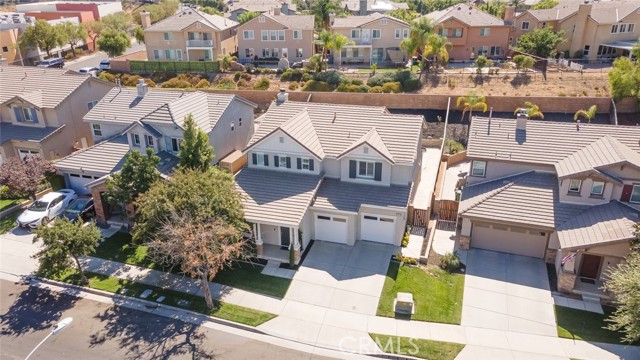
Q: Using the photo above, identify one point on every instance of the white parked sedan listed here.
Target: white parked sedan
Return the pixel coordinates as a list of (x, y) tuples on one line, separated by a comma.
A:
[(48, 207)]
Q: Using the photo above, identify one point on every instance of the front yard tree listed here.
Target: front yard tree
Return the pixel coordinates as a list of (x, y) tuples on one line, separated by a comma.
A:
[(94, 29), (195, 151), (481, 62), (138, 33), (63, 241), (199, 248), (541, 42), (247, 15), (623, 283), (470, 102), (113, 42), (137, 175), (41, 35), (120, 21), (23, 177), (73, 34)]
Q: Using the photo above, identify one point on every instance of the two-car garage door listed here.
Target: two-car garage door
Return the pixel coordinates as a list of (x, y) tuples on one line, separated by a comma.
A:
[(378, 228), (509, 239)]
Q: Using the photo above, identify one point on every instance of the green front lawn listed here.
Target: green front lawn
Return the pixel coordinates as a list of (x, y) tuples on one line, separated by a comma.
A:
[(8, 222), (5, 204), (242, 275), (425, 349), (585, 325), (221, 310), (436, 293)]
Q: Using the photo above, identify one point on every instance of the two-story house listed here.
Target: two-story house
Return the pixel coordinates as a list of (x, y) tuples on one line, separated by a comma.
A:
[(472, 32), (563, 192), (591, 29), (276, 37), (189, 35), (41, 111), (375, 39), (368, 7), (137, 119), (327, 172), (275, 7)]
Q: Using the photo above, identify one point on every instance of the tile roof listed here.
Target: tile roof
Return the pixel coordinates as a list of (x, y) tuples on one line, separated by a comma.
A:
[(467, 14), (605, 12), (371, 138), (559, 12), (258, 5), (598, 225), (103, 158), (374, 5), (338, 126), (297, 22), (529, 199), (357, 21), (9, 132), (167, 162), (189, 16), (603, 152), (340, 195), (27, 82), (543, 142), (150, 129), (300, 128), (276, 197)]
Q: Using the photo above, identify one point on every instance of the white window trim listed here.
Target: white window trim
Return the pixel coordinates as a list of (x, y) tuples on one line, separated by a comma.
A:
[(573, 191), (631, 196), (149, 140), (297, 34), (379, 34), (261, 19), (305, 162), (522, 27), (248, 32), (259, 159), (601, 191), (484, 32), (96, 129), (358, 31), (282, 164), (397, 33), (484, 168), (178, 141), (366, 176), (135, 139)]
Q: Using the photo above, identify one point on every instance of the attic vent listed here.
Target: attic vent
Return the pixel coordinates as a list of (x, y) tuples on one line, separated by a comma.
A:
[(365, 150), (281, 139)]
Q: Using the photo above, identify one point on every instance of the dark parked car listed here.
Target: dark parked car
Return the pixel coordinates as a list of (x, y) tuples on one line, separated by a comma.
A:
[(297, 65), (81, 208), (51, 63)]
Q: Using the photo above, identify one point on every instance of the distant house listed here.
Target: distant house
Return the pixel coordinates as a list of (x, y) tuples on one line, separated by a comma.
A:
[(271, 7), (189, 35), (592, 30), (561, 192), (41, 111), (368, 7), (472, 32), (276, 37)]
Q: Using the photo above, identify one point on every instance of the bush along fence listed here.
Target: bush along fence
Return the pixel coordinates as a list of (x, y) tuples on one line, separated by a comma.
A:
[(174, 66)]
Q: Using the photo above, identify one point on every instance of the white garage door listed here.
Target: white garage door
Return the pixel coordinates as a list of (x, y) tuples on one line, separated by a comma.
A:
[(378, 228), (77, 182), (331, 228), (509, 240)]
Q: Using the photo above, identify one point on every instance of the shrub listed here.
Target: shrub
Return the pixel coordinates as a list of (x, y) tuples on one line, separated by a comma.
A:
[(405, 239), (203, 83), (262, 84), (331, 77), (244, 84), (129, 80), (313, 85), (342, 88), (392, 87), (246, 76), (450, 262), (404, 76), (293, 86), (249, 68), (411, 85), (306, 76), (357, 82), (376, 89), (107, 76), (226, 83), (237, 76), (150, 83), (292, 75), (405, 259), (176, 83), (453, 147)]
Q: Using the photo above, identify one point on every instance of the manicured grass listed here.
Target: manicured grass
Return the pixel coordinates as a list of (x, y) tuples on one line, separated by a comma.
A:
[(425, 349), (436, 293), (5, 204), (585, 325), (221, 310), (8, 222), (242, 275)]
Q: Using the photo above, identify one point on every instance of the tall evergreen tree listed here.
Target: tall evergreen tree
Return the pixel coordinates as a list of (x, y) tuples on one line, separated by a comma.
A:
[(195, 151)]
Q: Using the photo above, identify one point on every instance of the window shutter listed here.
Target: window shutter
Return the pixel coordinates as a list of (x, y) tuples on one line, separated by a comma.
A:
[(18, 113), (311, 164), (288, 162), (266, 160), (299, 163), (352, 169), (34, 115), (626, 193), (254, 158), (378, 172), (276, 161)]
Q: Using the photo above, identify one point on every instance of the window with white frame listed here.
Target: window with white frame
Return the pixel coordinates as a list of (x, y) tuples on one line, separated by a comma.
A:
[(156, 54), (485, 31), (397, 33), (376, 33), (97, 129), (135, 138), (169, 54), (525, 25), (405, 33), (247, 34), (297, 34), (597, 188), (383, 21), (168, 36), (456, 33), (635, 194), (443, 32), (282, 161), (266, 53), (575, 185), (495, 51), (305, 164), (355, 33), (622, 28), (91, 104), (264, 34), (280, 35), (366, 169), (148, 139), (261, 19), (25, 114), (259, 159), (478, 168), (175, 144)]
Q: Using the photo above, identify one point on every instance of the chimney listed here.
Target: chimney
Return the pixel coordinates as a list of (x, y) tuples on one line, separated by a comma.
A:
[(276, 11), (282, 96), (509, 14), (521, 122), (142, 87), (284, 8), (145, 19), (363, 8)]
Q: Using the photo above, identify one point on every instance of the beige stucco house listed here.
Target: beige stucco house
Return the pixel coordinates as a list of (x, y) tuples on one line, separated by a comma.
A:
[(189, 35), (368, 7), (41, 111), (271, 7), (563, 192), (375, 39), (275, 37), (592, 30)]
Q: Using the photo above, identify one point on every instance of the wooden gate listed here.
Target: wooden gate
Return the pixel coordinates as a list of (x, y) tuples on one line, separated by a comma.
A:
[(420, 217), (448, 210)]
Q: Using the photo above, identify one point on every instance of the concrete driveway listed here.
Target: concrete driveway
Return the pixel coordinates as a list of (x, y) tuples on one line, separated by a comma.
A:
[(507, 292), (16, 248)]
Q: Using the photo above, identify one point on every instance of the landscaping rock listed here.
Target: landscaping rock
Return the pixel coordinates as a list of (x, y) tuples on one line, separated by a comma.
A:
[(236, 66)]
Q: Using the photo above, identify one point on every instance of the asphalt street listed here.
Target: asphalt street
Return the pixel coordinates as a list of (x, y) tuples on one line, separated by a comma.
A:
[(94, 59), (103, 331)]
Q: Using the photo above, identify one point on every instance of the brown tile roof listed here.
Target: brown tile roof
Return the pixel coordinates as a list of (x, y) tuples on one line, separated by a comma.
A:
[(295, 22), (605, 12), (467, 14), (187, 17), (603, 152), (357, 21), (300, 128)]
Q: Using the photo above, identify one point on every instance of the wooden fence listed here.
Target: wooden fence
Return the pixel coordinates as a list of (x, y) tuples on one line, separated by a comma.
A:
[(448, 210)]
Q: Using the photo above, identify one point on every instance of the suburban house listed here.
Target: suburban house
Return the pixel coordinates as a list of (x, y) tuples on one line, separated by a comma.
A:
[(368, 7), (276, 37), (272, 7), (592, 30), (136, 119), (189, 35), (45, 122), (337, 173), (472, 32), (376, 39), (563, 192)]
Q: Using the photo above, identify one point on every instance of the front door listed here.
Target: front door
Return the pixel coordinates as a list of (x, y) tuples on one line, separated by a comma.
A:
[(590, 266), (285, 236)]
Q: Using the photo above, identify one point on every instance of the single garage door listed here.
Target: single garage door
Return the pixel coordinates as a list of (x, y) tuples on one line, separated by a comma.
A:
[(77, 182), (378, 228), (331, 228), (509, 240)]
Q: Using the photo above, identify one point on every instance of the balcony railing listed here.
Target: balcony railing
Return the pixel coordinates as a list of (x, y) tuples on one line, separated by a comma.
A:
[(200, 43)]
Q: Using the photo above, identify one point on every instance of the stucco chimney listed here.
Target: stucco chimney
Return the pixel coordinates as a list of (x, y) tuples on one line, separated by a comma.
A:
[(145, 19), (284, 8), (521, 121), (509, 14), (282, 96), (363, 8), (276, 11), (142, 87)]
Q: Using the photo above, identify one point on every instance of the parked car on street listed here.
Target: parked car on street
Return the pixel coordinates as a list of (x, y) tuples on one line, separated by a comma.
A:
[(89, 70), (51, 63), (105, 64), (47, 208), (81, 208)]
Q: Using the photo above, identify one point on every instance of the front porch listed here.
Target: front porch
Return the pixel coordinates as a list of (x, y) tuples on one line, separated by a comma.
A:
[(276, 242)]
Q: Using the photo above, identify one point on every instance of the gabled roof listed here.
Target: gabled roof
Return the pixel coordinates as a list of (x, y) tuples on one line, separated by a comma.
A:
[(605, 12), (195, 104), (371, 138), (603, 152), (32, 97), (357, 21), (467, 14), (338, 126), (300, 128), (188, 17), (294, 22), (374, 5), (261, 6), (558, 13), (150, 129), (8, 132), (598, 225), (103, 158), (345, 196)]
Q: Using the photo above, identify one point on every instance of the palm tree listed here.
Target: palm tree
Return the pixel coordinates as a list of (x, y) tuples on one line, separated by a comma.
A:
[(337, 42), (322, 10), (325, 36), (437, 46), (470, 102), (531, 110), (587, 114), (419, 33)]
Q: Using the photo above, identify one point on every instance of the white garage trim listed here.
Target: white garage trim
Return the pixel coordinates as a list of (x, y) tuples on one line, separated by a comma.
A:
[(509, 239), (378, 228), (78, 182), (331, 228)]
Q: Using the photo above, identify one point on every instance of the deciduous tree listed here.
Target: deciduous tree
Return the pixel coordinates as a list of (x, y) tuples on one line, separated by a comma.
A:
[(114, 42), (481, 62), (541, 42), (120, 21), (195, 151), (523, 62), (624, 78), (494, 7), (247, 15), (72, 34), (41, 35), (138, 33), (137, 175), (94, 29), (23, 177), (624, 285), (545, 4)]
